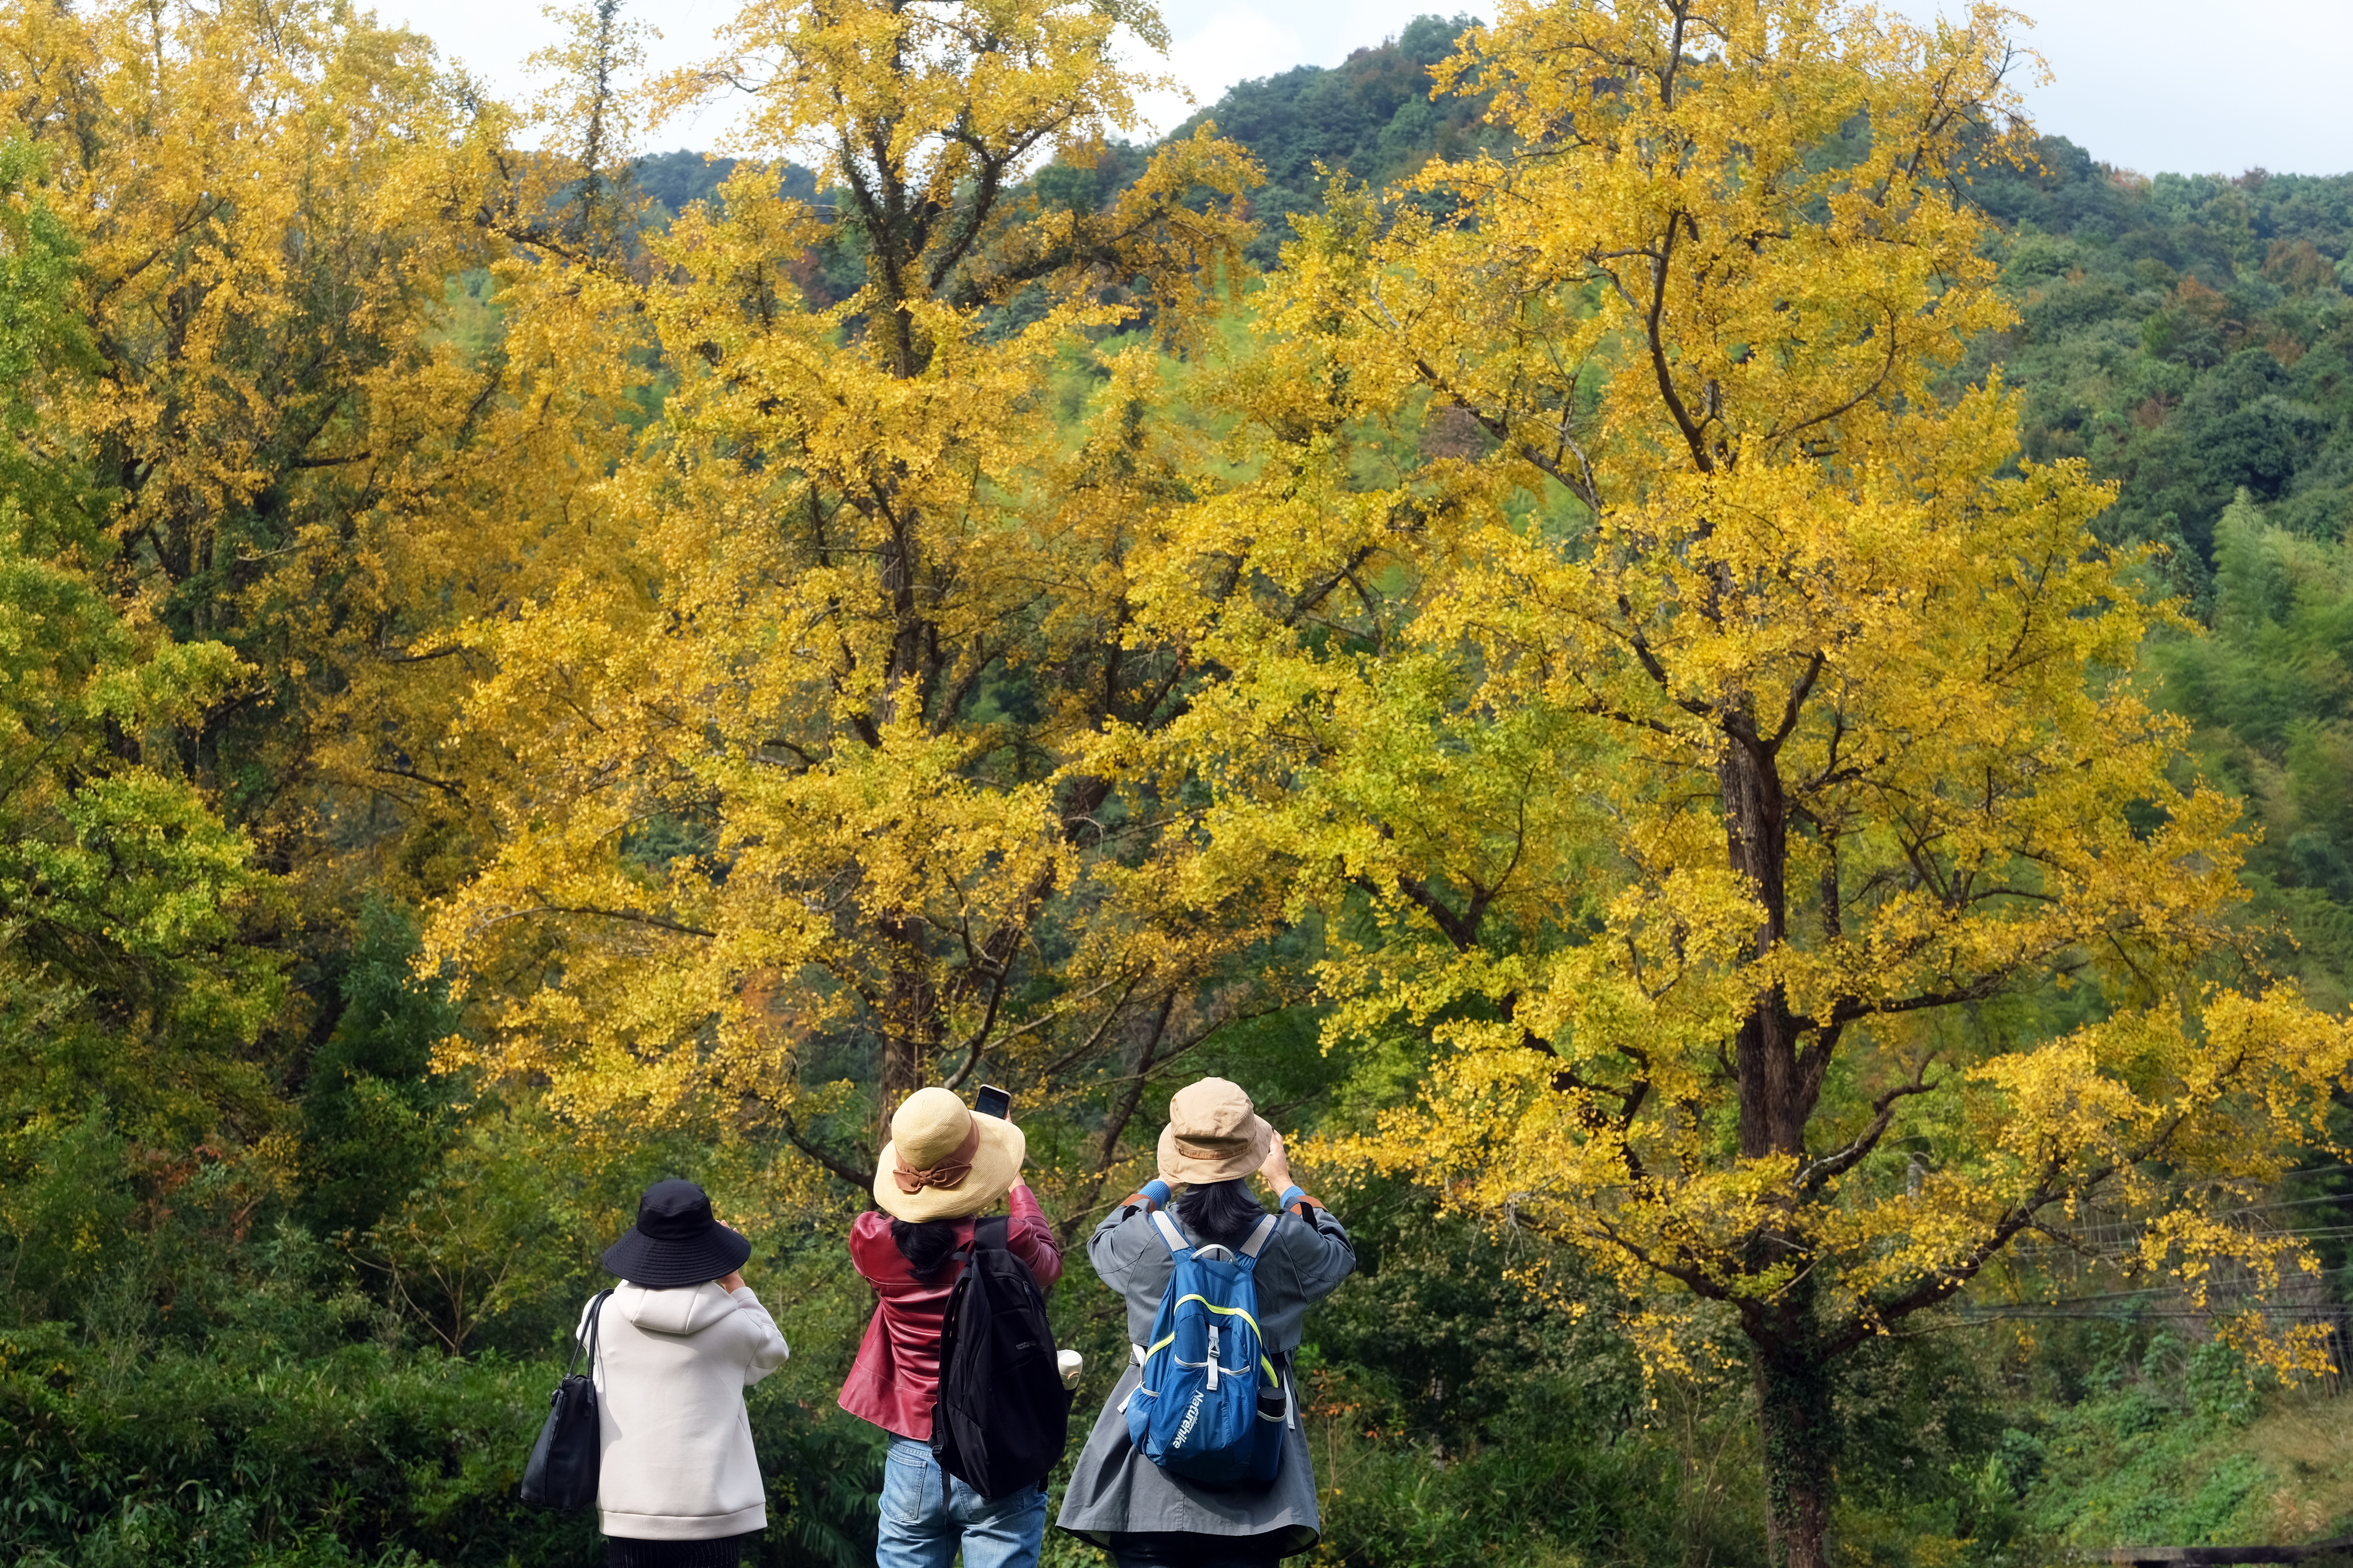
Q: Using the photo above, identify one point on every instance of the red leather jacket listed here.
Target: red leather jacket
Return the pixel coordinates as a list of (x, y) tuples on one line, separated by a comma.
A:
[(896, 1379)]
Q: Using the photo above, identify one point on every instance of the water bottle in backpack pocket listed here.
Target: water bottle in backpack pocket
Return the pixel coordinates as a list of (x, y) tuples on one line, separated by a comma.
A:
[(1210, 1407)]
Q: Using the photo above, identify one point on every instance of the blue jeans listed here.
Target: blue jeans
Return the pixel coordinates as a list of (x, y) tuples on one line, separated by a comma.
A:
[(927, 1514)]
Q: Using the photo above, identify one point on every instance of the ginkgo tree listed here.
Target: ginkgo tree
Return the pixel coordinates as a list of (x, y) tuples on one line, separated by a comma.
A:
[(805, 735), (280, 212), (1732, 757), (128, 996)]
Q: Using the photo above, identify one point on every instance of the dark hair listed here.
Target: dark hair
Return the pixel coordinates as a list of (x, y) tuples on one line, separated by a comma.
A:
[(1222, 1212), (924, 1244)]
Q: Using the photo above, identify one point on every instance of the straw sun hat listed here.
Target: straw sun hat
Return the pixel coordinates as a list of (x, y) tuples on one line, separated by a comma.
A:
[(945, 1162), (1213, 1134)]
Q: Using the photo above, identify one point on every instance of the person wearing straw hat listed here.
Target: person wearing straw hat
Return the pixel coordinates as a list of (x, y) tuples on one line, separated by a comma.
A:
[(1121, 1501), (942, 1168), (678, 1342)]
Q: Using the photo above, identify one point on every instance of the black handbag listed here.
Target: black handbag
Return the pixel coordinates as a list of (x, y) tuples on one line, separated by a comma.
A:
[(562, 1474)]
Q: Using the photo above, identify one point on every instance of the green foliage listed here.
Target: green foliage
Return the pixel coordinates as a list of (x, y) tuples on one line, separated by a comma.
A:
[(2189, 337), (1457, 1419), (2271, 691), (2192, 340), (1371, 116), (130, 997), (2150, 1452), (66, 1204), (374, 1122), (271, 1411), (278, 1444), (676, 179), (486, 1233)]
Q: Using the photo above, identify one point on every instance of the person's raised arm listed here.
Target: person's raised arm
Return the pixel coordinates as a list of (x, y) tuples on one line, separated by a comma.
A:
[(1325, 1255), (1275, 1171), (1030, 1239), (768, 1349)]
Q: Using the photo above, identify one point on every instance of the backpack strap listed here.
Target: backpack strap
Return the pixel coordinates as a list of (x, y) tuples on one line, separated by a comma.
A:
[(1178, 1247), (1258, 1237), (980, 1237)]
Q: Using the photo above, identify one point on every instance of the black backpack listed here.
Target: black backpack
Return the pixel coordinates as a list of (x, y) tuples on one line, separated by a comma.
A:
[(1003, 1417), (565, 1460)]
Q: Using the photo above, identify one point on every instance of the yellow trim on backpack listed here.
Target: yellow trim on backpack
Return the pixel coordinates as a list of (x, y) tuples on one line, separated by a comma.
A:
[(1227, 1311), (1157, 1346)]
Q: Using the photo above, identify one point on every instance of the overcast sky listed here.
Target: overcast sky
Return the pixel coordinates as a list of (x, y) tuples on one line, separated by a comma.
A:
[(2153, 85)]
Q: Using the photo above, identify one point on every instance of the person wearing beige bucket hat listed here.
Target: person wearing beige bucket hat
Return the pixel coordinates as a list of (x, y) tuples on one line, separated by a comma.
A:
[(1213, 1135), (1120, 1500), (944, 1167)]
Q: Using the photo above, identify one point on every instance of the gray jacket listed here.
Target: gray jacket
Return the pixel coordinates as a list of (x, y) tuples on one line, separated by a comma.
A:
[(1115, 1491)]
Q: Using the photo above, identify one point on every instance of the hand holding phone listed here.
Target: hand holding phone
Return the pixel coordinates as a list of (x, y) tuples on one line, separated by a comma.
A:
[(992, 1101)]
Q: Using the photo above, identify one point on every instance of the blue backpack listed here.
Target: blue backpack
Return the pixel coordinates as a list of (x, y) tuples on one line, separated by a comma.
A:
[(1210, 1406)]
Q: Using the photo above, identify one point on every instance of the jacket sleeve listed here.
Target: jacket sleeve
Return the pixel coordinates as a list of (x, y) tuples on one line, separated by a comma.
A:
[(1113, 1248), (871, 1251), (768, 1347), (1030, 1239), (1322, 1253)]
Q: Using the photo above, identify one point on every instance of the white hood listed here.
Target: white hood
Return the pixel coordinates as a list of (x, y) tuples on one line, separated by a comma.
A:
[(677, 1312)]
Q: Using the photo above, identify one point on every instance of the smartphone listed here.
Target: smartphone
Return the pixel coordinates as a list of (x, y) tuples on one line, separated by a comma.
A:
[(992, 1101)]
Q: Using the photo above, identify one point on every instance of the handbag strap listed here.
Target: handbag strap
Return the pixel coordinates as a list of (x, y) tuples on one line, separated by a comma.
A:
[(596, 1320)]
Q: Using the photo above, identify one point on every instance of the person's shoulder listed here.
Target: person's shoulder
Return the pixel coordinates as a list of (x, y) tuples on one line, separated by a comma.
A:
[(1307, 1230), (1124, 1220), (1127, 1237), (870, 1244), (749, 1314)]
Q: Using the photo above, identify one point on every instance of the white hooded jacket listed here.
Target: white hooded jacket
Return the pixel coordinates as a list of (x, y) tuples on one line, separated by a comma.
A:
[(671, 1368)]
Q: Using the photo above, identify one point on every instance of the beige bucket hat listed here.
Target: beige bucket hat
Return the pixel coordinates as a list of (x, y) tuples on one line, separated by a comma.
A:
[(1213, 1134), (945, 1162)]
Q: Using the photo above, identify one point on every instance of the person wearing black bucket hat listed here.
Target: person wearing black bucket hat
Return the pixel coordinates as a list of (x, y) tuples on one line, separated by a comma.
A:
[(679, 1339), (676, 1241)]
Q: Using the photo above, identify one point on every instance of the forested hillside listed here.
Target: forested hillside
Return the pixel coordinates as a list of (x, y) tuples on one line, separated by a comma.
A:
[(421, 832), (2191, 337)]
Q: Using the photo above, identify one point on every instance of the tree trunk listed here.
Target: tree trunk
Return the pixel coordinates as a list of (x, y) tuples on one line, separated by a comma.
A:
[(910, 1021), (1774, 1102), (1794, 1414), (1799, 1428)]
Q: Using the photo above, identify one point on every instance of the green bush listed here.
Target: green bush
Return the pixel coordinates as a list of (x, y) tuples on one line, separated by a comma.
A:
[(244, 1453)]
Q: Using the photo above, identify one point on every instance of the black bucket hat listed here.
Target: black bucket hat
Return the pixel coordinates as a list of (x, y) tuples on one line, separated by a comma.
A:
[(675, 1241)]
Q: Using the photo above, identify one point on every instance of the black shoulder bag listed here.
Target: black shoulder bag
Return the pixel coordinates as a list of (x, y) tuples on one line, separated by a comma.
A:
[(562, 1474)]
